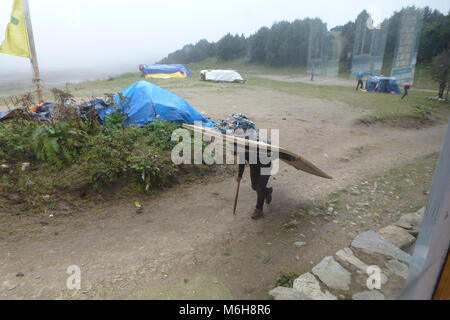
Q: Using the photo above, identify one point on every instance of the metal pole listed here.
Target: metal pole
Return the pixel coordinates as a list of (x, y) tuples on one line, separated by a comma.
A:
[(33, 56)]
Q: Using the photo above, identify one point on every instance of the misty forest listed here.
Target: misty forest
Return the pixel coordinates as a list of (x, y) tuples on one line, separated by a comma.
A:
[(286, 43)]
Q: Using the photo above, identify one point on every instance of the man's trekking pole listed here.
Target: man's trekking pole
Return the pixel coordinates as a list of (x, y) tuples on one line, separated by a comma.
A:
[(236, 198)]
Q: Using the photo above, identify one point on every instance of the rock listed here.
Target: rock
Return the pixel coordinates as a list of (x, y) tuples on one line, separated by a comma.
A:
[(372, 241), (299, 244), (308, 285), (290, 224), (398, 268), (404, 225), (421, 211), (410, 221), (347, 255), (283, 293), (397, 236), (4, 167), (20, 274), (368, 295), (332, 274), (393, 289), (25, 166)]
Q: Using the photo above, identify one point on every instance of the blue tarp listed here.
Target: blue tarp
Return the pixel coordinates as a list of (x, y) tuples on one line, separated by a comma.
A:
[(3, 114), (148, 102), (9, 114), (164, 69), (382, 84)]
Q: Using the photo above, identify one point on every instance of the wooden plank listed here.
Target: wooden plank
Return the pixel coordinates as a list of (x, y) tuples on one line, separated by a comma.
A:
[(299, 164)]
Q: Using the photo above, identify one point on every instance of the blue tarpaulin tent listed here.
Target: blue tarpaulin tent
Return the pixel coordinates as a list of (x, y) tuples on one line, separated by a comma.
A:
[(382, 84), (148, 102), (164, 71)]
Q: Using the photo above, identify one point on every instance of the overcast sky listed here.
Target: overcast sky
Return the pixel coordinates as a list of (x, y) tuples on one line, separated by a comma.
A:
[(111, 36)]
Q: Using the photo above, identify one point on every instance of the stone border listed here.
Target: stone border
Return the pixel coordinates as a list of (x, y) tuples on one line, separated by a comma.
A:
[(387, 242)]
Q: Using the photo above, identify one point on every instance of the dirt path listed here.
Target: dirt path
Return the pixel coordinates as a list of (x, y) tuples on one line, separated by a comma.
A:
[(187, 243), (305, 78)]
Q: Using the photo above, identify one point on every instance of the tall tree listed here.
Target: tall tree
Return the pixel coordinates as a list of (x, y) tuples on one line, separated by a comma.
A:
[(440, 71), (435, 35)]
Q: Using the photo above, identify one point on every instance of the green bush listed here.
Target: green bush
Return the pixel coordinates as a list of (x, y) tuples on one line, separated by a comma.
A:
[(139, 154), (115, 119), (159, 134), (151, 167), (76, 155), (15, 141), (58, 143)]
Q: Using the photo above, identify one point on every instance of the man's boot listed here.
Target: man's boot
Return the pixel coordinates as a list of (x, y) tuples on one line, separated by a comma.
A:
[(258, 214), (269, 195)]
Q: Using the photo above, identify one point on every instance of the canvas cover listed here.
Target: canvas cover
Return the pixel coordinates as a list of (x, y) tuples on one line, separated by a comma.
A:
[(9, 114), (148, 102), (382, 84), (164, 71), (221, 76)]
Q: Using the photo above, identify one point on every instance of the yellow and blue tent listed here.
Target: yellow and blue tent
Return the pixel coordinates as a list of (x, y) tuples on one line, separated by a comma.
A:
[(164, 71)]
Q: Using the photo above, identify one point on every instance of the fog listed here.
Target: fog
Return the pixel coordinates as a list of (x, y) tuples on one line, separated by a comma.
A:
[(81, 39)]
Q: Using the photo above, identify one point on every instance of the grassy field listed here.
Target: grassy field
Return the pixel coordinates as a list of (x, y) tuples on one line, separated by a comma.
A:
[(416, 110), (388, 108)]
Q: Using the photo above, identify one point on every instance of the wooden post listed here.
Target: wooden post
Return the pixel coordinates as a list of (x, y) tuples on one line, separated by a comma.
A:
[(33, 56), (236, 198)]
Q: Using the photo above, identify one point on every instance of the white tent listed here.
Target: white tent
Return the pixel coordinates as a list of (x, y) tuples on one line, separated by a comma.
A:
[(221, 76)]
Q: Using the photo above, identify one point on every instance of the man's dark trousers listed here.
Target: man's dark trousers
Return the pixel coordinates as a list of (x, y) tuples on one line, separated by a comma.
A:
[(360, 83), (259, 184)]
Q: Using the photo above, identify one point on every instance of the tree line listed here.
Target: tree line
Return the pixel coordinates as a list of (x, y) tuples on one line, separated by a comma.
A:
[(286, 43)]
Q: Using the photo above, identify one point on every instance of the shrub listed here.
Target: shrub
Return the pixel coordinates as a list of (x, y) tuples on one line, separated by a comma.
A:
[(159, 134), (76, 155), (118, 115), (151, 167), (15, 141), (139, 154), (58, 143)]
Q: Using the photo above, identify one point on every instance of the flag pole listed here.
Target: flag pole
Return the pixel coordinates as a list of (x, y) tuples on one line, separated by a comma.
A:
[(33, 56)]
